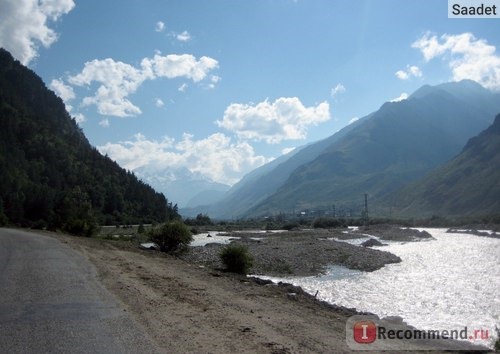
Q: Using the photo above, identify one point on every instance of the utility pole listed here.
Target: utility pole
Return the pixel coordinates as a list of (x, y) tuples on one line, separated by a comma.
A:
[(366, 209)]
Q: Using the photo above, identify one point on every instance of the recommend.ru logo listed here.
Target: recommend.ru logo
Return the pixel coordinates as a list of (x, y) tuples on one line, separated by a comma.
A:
[(368, 332)]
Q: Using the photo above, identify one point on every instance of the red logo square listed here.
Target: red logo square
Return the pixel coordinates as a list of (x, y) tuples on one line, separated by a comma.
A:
[(365, 332)]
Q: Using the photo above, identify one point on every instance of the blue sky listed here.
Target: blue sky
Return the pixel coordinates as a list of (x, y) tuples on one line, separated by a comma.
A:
[(217, 88)]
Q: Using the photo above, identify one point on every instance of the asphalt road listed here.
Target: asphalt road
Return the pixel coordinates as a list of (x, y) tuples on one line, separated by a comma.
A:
[(51, 301)]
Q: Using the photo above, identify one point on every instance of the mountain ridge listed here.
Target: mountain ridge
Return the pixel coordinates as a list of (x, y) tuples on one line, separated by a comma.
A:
[(393, 146), (468, 184)]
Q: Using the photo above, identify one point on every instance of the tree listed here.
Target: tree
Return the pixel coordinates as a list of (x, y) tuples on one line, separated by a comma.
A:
[(171, 236)]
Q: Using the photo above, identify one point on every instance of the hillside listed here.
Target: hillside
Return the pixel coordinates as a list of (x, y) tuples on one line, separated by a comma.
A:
[(261, 183), (468, 185), (380, 153), (50, 175), (400, 143)]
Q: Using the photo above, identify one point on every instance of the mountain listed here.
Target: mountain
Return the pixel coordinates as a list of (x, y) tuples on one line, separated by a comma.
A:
[(468, 185), (262, 182), (183, 186), (50, 175), (377, 155)]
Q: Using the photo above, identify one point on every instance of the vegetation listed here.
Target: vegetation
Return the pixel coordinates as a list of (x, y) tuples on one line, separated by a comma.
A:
[(469, 184), (200, 220), (171, 236), (325, 223), (51, 176), (236, 258)]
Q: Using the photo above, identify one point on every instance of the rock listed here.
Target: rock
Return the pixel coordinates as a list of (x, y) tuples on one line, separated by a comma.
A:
[(372, 242)]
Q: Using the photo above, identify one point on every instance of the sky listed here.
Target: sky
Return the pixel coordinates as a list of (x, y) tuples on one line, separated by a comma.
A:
[(217, 88)]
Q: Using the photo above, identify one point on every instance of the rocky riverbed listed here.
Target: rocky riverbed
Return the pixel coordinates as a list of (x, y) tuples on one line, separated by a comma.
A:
[(309, 252)]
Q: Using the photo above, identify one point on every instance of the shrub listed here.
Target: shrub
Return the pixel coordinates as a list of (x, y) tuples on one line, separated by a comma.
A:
[(80, 227), (290, 226), (201, 219), (236, 259), (171, 236), (327, 223)]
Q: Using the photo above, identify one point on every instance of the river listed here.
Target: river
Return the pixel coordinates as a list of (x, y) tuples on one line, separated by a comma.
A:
[(442, 284)]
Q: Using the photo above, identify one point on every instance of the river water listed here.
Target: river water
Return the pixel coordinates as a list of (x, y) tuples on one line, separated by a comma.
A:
[(442, 284)]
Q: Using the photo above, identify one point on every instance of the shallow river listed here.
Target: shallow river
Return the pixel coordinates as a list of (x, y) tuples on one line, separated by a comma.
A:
[(447, 283)]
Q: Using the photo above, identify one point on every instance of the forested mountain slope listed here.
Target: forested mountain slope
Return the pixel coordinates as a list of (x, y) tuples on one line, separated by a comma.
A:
[(50, 175)]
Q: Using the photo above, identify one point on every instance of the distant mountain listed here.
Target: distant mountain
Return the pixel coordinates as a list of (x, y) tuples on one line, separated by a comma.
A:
[(183, 186), (50, 175), (380, 153), (262, 182), (468, 185)]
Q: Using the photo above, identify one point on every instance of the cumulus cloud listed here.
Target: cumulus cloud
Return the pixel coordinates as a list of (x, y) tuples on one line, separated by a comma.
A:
[(174, 65), (183, 37), (469, 57), (216, 157), (411, 71), (284, 119), (287, 150), (24, 25), (337, 90), (401, 97), (79, 118), (65, 92), (117, 80), (104, 123), (160, 26)]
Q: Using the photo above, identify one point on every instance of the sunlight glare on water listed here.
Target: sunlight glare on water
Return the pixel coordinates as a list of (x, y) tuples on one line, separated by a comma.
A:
[(447, 283)]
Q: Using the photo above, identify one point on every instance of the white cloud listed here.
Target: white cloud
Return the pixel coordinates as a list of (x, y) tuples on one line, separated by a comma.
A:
[(352, 120), (215, 157), (401, 97), (214, 79), (184, 65), (287, 150), (65, 92), (117, 80), (104, 123), (160, 26), (284, 119), (79, 118), (24, 25), (337, 90), (183, 37), (183, 87), (469, 57), (159, 103), (411, 71)]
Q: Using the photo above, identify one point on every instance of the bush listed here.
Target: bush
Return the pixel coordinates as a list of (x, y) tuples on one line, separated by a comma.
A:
[(80, 227), (326, 223), (171, 236), (236, 259), (201, 220), (290, 226)]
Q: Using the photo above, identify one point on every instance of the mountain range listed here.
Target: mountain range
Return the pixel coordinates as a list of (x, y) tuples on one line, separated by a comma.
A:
[(188, 189), (378, 155)]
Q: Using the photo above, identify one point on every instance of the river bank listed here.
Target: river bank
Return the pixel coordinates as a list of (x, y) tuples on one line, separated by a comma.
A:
[(188, 307), (309, 252)]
